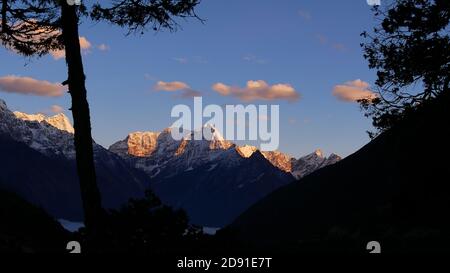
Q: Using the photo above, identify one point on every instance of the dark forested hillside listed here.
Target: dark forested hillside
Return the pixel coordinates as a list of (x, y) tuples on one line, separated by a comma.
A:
[(25, 228), (51, 182), (394, 190)]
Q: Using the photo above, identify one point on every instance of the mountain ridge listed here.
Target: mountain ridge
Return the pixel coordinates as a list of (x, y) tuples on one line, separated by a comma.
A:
[(213, 179), (144, 144), (38, 164)]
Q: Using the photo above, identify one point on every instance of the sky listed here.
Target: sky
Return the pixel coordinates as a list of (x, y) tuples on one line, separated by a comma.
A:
[(303, 55)]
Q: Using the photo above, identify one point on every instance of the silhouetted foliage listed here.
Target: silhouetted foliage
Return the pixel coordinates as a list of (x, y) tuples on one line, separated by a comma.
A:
[(137, 15), (36, 27), (27, 229), (30, 27), (146, 226), (410, 49)]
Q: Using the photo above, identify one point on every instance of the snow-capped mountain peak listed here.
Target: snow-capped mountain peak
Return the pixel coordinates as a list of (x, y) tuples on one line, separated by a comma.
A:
[(246, 150), (204, 139), (142, 143), (318, 153), (212, 133), (59, 121), (153, 152), (38, 132), (314, 161), (208, 132), (29, 117)]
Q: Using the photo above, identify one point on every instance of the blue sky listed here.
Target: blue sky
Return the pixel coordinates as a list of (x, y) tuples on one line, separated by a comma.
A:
[(311, 45)]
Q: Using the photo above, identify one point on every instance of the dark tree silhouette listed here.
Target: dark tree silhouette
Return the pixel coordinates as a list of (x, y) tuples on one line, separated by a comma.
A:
[(37, 27), (410, 49), (146, 226)]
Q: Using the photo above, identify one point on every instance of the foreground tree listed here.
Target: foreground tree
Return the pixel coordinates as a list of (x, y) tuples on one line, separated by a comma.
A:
[(410, 50), (146, 226), (37, 27)]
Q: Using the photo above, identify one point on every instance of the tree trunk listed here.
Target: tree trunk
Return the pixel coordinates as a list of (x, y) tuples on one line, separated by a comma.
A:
[(4, 22), (90, 194)]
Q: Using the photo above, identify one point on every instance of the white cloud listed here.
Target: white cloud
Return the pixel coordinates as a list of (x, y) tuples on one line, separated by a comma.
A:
[(103, 47), (180, 60), (176, 86), (321, 38), (85, 46), (339, 47), (254, 59), (84, 43), (193, 60), (56, 109), (353, 91), (30, 86), (324, 40), (258, 90), (306, 15), (170, 86)]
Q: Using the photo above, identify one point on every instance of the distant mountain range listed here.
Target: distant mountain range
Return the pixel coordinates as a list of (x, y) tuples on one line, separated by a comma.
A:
[(37, 163), (154, 152), (214, 180)]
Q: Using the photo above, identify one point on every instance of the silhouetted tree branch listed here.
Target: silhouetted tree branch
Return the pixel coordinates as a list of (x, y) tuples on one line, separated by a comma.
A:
[(410, 49), (137, 15)]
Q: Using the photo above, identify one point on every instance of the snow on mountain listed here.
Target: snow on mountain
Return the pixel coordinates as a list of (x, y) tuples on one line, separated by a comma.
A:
[(332, 159), (139, 144), (297, 167), (52, 136), (41, 156), (149, 152), (145, 144), (280, 160), (246, 150), (59, 121), (312, 162), (30, 117), (158, 154), (41, 133)]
